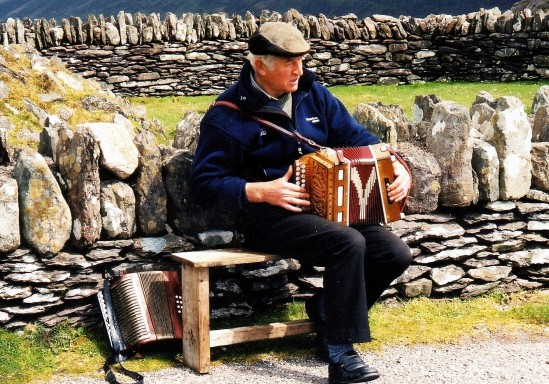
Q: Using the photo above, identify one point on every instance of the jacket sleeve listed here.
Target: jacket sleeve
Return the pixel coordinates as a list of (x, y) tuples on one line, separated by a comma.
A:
[(216, 178)]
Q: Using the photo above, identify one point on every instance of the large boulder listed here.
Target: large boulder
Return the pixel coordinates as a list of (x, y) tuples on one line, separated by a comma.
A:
[(513, 142), (371, 117), (150, 193), (45, 215), (187, 132), (450, 143), (119, 154), (540, 166), (422, 112), (485, 163), (541, 98), (540, 126), (184, 214), (117, 209), (78, 162), (426, 173)]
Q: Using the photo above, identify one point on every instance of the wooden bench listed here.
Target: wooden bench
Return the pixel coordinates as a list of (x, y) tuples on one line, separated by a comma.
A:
[(197, 336)]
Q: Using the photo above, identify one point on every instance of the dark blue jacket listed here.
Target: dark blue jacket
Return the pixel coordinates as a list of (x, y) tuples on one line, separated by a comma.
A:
[(233, 149)]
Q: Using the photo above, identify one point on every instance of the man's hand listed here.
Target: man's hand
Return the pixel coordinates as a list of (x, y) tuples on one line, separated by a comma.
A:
[(399, 188), (279, 192)]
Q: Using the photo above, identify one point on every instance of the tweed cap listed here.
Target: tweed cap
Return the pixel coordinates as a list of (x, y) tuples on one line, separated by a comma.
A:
[(279, 39)]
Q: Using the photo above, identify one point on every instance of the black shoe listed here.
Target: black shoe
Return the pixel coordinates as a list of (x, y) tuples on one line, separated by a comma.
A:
[(316, 312), (351, 369)]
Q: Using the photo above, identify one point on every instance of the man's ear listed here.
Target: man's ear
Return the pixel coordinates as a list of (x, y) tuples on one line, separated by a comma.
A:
[(260, 67)]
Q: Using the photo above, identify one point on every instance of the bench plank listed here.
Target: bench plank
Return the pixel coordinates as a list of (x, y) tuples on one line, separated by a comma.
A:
[(231, 336), (222, 257)]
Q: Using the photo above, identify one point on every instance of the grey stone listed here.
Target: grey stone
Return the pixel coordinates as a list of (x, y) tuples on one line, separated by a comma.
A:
[(271, 268), (46, 218), (526, 208), (485, 163), (447, 274), (369, 116), (433, 231), (216, 238), (12, 292), (450, 143), (150, 193), (451, 255), (67, 260), (540, 126), (78, 162), (426, 173), (119, 154), (10, 238), (538, 195), (412, 273), (512, 140), (541, 98), (481, 119), (473, 290), (421, 287), (540, 166), (187, 132), (117, 209), (493, 273), (499, 236)]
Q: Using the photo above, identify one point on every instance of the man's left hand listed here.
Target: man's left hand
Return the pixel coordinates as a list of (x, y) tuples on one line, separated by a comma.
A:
[(398, 190)]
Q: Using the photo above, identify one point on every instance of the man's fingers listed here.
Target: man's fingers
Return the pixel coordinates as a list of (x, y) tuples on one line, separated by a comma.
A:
[(288, 174)]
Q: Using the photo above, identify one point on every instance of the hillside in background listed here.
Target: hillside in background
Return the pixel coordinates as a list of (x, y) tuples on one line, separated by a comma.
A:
[(59, 9)]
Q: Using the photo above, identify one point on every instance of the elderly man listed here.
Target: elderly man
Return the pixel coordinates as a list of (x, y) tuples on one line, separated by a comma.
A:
[(244, 167)]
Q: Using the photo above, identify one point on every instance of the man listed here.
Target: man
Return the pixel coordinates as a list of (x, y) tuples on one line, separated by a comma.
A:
[(244, 167)]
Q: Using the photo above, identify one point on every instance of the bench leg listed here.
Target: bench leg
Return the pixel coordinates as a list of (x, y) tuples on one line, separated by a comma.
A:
[(196, 318)]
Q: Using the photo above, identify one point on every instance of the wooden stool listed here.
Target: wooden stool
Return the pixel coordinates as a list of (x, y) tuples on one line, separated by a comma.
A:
[(197, 336)]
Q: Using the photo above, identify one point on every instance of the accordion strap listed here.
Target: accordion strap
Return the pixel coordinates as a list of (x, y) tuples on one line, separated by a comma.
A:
[(116, 344), (293, 134), (407, 168), (298, 136)]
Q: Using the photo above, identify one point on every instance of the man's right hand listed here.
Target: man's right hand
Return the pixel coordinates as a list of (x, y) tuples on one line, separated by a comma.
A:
[(280, 192)]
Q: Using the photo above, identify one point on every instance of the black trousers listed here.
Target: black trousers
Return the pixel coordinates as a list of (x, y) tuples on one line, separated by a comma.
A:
[(360, 263)]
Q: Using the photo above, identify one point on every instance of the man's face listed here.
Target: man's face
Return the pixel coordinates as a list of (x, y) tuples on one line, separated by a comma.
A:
[(282, 78)]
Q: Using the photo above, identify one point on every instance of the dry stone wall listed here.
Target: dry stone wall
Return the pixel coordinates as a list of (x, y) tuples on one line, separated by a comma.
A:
[(200, 54), (87, 207)]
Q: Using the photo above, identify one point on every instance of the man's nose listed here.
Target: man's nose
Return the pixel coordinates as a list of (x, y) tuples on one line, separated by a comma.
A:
[(298, 68)]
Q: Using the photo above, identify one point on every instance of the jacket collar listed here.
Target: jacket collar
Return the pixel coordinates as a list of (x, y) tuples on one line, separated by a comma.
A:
[(253, 100)]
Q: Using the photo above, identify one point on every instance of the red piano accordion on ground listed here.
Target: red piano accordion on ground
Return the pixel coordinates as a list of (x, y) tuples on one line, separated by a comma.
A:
[(349, 185)]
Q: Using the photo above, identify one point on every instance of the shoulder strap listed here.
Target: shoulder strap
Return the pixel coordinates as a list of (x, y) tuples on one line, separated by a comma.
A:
[(296, 135), (293, 134), (111, 323)]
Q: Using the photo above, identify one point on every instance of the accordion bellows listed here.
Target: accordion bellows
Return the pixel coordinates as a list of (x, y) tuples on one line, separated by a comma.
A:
[(349, 185), (147, 307)]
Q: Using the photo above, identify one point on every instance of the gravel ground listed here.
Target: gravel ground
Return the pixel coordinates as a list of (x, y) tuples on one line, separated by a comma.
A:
[(478, 362)]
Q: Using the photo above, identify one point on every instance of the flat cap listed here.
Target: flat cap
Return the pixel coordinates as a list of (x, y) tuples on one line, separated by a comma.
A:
[(278, 39)]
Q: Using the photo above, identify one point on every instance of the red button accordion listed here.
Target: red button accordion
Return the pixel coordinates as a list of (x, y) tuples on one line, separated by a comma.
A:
[(142, 307), (349, 185)]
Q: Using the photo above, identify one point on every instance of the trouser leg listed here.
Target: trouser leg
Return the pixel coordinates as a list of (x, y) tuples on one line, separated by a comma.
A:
[(338, 248), (387, 257)]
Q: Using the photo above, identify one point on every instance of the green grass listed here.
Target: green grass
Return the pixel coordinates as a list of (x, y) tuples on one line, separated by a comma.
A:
[(170, 110), (38, 353), (459, 92)]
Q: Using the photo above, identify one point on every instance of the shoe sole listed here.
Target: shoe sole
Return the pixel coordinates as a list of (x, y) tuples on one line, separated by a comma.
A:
[(361, 379)]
